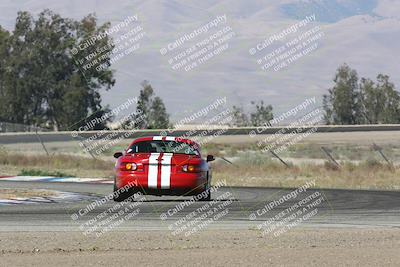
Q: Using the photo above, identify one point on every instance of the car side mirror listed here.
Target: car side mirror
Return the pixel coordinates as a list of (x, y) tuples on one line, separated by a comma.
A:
[(210, 158), (117, 154)]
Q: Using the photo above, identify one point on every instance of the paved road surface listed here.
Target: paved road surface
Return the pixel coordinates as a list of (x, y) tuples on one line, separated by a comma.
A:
[(339, 208)]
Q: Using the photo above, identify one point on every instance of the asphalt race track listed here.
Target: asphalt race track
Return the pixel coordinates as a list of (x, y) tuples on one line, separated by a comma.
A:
[(340, 208)]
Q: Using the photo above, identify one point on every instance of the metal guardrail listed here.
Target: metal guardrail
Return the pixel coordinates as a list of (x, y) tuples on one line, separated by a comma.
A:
[(29, 137)]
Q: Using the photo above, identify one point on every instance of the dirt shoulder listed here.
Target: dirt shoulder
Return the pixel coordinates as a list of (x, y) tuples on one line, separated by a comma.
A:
[(6, 193), (300, 247)]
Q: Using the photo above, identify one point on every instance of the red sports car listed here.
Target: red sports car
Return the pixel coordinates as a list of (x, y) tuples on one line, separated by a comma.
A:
[(162, 166)]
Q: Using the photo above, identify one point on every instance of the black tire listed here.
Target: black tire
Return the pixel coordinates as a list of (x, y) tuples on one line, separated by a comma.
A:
[(207, 197), (120, 196), (206, 189)]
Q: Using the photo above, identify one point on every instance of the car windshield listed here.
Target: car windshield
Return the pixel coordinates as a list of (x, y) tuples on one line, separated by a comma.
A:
[(159, 146)]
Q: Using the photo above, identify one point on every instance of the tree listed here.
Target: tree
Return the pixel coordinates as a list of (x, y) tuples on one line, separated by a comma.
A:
[(44, 84), (371, 101), (240, 118), (389, 100), (262, 115), (158, 117), (150, 111), (4, 39), (342, 104), (143, 105), (368, 102)]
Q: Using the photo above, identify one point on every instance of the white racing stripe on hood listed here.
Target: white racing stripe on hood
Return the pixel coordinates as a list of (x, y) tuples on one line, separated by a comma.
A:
[(153, 170), (166, 171)]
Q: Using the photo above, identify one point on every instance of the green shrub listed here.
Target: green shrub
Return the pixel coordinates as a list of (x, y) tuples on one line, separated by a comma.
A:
[(34, 172)]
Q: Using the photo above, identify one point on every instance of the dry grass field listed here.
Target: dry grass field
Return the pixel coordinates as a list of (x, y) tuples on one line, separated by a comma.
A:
[(361, 167)]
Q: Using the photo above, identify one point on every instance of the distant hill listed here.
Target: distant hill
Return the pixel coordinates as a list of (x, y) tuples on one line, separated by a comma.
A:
[(363, 33)]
